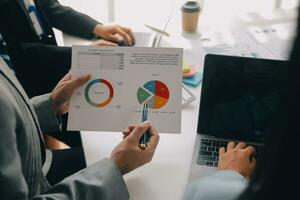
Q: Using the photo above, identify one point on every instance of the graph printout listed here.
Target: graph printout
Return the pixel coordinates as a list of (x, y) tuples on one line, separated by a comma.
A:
[(123, 79)]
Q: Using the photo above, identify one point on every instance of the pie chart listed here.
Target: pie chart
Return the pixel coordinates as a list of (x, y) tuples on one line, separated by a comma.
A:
[(155, 93), (99, 93)]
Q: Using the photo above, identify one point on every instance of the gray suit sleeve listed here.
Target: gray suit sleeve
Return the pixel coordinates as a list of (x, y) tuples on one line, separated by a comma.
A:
[(69, 20), (224, 184), (102, 180), (47, 118)]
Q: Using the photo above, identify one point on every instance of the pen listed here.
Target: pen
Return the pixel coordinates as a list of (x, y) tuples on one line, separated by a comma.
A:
[(145, 137), (157, 30)]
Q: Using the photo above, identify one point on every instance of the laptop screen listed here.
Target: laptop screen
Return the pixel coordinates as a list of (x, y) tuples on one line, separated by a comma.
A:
[(239, 96)]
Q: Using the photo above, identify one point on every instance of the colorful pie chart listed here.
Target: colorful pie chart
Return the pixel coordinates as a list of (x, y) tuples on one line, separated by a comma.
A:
[(155, 93), (99, 93)]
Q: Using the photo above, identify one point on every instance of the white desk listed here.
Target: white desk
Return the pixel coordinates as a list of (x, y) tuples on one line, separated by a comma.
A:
[(166, 176)]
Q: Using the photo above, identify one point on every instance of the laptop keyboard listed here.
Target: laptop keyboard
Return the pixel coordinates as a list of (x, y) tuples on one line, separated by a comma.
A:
[(209, 151)]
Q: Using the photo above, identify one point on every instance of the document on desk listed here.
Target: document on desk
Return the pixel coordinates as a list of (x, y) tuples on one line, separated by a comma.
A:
[(123, 79), (272, 41)]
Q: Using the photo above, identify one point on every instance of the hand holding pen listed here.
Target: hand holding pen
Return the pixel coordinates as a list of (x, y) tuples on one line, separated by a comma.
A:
[(128, 155), (144, 139)]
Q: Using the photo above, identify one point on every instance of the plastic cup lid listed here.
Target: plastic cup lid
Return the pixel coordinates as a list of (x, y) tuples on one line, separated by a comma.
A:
[(191, 7)]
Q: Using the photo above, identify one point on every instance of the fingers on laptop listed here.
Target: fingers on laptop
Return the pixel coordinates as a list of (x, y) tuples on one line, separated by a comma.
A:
[(230, 145), (222, 151), (250, 150), (241, 146)]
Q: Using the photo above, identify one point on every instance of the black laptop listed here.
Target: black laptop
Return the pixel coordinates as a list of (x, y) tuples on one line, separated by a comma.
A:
[(238, 100)]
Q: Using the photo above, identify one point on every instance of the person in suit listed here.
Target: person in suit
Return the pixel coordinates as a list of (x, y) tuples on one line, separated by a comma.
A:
[(22, 152), (26, 25), (274, 175)]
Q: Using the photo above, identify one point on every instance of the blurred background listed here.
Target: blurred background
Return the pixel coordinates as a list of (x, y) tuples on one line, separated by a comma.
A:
[(142, 10)]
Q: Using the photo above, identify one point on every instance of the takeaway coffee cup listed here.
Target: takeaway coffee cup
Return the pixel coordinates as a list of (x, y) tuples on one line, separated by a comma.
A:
[(190, 15)]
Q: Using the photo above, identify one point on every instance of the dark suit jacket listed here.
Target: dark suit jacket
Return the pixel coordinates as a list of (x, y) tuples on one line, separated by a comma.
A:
[(41, 57)]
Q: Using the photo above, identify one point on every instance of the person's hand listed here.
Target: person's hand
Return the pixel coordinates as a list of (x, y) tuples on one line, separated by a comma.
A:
[(114, 33), (128, 155), (104, 43), (237, 158), (63, 91)]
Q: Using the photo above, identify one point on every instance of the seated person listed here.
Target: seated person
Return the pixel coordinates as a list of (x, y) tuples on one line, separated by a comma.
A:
[(32, 45), (235, 166), (33, 48), (238, 177), (274, 176), (23, 154)]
